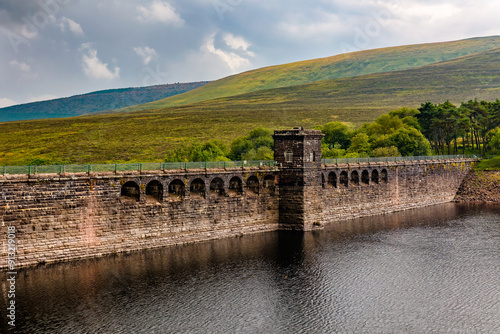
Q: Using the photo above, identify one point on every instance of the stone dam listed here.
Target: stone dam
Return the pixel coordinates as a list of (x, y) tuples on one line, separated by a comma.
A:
[(66, 216)]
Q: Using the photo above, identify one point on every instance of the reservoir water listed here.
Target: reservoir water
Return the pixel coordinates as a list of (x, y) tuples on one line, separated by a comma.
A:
[(430, 270)]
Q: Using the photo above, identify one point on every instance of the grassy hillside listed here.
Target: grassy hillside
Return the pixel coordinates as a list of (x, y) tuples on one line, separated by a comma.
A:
[(341, 66), (145, 136), (94, 102)]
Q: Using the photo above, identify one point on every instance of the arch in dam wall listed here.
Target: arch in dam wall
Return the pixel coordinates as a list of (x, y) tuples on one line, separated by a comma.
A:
[(365, 178), (269, 184), (375, 177), (354, 181), (384, 176), (253, 185), (217, 187), (154, 191), (346, 178), (178, 188), (197, 188), (131, 191), (332, 180), (235, 186)]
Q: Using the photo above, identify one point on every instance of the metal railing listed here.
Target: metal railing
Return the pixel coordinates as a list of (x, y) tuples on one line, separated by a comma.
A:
[(159, 166), (133, 167), (397, 159)]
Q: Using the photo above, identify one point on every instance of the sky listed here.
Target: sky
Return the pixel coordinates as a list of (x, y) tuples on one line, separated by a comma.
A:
[(58, 48)]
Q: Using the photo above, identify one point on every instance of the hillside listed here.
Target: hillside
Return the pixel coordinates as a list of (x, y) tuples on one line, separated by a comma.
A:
[(94, 102), (340, 66), (146, 135)]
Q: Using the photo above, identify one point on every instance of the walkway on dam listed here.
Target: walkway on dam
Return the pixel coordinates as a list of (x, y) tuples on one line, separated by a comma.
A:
[(175, 166)]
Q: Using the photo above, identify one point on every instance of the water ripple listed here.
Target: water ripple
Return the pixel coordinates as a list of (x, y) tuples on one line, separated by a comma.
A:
[(434, 270)]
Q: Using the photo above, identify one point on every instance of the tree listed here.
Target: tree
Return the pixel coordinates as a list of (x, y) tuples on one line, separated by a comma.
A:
[(478, 113), (494, 140), (404, 112), (388, 151), (337, 135), (360, 144), (257, 138), (410, 141), (213, 150), (384, 125), (427, 114), (262, 153), (495, 113), (331, 153)]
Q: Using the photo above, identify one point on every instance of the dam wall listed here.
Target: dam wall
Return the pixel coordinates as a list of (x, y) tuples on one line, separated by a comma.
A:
[(66, 216)]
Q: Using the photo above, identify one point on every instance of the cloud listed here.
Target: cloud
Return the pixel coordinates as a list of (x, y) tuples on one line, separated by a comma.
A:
[(146, 53), (20, 66), (237, 43), (279, 31), (26, 19), (74, 27), (232, 59), (159, 11), (93, 67), (6, 102)]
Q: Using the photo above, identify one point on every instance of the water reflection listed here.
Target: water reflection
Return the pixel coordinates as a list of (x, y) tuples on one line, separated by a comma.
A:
[(429, 270)]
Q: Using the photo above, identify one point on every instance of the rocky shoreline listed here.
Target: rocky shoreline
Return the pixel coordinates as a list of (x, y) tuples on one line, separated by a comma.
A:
[(480, 186)]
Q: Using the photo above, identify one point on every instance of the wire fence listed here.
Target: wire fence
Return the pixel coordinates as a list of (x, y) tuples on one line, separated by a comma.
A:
[(397, 159), (133, 167), (161, 166)]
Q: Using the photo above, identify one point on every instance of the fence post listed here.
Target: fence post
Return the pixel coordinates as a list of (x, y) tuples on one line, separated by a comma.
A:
[(90, 168), (4, 170), (140, 168)]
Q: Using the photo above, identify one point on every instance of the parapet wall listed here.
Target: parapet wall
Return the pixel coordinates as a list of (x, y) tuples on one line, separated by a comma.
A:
[(61, 217)]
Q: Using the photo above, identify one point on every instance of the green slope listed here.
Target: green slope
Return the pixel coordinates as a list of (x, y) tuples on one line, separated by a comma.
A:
[(341, 66), (94, 102), (146, 135)]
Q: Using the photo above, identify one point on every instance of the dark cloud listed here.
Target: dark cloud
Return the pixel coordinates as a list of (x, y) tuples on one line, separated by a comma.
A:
[(15, 9)]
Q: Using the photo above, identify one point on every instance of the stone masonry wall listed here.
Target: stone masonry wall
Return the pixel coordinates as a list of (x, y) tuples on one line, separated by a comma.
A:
[(60, 218), (72, 216), (406, 186)]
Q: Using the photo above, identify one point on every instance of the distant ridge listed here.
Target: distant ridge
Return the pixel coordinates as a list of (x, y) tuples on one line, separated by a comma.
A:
[(336, 67), (147, 135), (94, 102)]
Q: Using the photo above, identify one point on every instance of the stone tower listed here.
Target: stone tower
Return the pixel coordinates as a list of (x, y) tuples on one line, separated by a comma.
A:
[(298, 153)]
